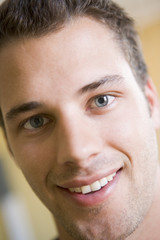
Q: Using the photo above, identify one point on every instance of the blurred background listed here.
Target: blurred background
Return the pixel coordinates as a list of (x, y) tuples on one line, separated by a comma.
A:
[(18, 200)]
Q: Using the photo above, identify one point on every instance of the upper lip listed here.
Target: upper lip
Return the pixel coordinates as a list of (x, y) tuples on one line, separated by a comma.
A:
[(79, 182)]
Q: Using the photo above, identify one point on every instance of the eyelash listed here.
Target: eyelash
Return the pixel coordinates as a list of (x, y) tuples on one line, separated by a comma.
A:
[(92, 106), (109, 98), (26, 121)]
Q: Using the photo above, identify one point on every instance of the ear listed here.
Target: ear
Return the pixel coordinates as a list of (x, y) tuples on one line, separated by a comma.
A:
[(153, 101)]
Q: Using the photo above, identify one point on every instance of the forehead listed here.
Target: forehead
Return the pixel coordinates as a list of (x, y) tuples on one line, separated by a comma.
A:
[(80, 33), (81, 52)]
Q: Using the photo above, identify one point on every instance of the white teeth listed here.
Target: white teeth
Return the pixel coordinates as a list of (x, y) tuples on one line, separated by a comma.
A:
[(110, 178), (86, 189), (103, 181), (95, 186), (78, 189), (71, 189)]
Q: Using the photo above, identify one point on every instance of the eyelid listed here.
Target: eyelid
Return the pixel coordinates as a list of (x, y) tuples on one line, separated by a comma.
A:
[(92, 101), (22, 124), (32, 128)]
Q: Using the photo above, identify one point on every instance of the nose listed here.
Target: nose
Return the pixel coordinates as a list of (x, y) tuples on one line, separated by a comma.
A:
[(78, 140)]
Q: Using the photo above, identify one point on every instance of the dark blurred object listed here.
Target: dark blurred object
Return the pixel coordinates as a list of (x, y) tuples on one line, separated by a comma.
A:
[(4, 186)]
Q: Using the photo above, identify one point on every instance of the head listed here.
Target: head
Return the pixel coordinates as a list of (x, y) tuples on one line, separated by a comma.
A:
[(27, 19), (75, 110)]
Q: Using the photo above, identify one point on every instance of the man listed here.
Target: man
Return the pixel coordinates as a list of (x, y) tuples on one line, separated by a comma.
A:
[(79, 113)]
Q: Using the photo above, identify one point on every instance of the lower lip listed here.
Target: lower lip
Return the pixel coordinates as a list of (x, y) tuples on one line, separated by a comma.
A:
[(93, 198)]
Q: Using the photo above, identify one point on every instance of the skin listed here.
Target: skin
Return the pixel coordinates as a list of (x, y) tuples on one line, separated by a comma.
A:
[(79, 141)]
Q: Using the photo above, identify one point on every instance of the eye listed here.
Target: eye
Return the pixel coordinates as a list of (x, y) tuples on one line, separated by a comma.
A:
[(36, 122), (103, 100)]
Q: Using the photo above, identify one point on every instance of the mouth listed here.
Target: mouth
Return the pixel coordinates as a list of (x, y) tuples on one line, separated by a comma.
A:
[(94, 193), (95, 186)]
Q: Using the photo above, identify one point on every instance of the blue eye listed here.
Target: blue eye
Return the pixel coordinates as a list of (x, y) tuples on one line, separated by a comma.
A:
[(103, 100), (36, 122)]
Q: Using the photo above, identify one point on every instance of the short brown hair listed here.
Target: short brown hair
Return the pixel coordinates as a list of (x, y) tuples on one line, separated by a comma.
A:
[(35, 18)]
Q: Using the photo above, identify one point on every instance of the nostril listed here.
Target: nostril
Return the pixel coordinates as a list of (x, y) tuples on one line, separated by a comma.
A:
[(94, 155)]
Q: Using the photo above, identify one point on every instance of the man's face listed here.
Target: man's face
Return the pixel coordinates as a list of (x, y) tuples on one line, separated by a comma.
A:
[(75, 115)]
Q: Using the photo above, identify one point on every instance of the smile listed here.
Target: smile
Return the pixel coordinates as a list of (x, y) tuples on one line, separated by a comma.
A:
[(95, 186)]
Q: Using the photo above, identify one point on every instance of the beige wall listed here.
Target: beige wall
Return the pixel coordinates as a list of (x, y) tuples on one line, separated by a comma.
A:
[(150, 37), (41, 219)]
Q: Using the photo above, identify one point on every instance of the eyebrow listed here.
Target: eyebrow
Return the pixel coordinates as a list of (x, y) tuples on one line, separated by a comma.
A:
[(26, 107), (109, 79)]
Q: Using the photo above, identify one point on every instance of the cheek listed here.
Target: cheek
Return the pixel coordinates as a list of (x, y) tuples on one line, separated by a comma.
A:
[(35, 163), (129, 132), (35, 160), (133, 135)]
